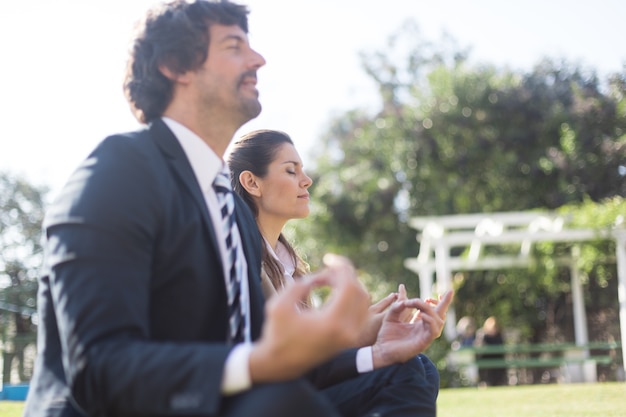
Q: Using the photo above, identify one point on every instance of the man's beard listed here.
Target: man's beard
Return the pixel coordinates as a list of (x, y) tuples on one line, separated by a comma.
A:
[(250, 108)]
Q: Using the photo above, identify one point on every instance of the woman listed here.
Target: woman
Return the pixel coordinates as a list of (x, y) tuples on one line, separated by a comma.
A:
[(267, 172), (488, 335)]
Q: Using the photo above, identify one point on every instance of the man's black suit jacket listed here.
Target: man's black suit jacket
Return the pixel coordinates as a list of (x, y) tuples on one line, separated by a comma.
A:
[(132, 306)]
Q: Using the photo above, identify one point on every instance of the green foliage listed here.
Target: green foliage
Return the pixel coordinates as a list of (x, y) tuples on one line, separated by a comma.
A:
[(21, 214), (536, 302), (452, 138)]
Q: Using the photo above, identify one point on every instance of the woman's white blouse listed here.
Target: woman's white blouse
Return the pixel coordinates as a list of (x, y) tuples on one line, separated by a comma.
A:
[(282, 255)]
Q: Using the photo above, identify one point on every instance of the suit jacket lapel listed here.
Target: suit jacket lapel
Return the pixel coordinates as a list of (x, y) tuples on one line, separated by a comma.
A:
[(172, 149), (250, 236)]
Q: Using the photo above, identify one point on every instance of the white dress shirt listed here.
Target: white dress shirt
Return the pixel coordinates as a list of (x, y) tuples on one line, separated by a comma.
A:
[(206, 165)]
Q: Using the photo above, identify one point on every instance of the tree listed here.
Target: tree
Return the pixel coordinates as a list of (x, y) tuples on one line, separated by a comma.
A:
[(21, 215), (453, 138)]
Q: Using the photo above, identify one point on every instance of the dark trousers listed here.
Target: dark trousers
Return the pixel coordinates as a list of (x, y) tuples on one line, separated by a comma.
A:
[(408, 389), (289, 399), (403, 390)]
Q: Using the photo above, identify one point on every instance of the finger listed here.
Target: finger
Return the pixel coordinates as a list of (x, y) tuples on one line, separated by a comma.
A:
[(292, 294), (418, 304), (347, 292), (317, 279), (432, 301), (400, 311), (402, 292), (382, 305), (434, 324), (439, 309), (338, 270), (334, 260), (444, 303), (426, 309), (408, 314)]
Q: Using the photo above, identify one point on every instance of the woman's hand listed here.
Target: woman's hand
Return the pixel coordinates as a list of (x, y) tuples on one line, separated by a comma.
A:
[(375, 315), (399, 340)]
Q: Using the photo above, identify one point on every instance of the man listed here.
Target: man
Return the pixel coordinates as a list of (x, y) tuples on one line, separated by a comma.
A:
[(150, 301)]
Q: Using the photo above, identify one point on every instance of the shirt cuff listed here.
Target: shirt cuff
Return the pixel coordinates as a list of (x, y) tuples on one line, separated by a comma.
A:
[(236, 376), (364, 360)]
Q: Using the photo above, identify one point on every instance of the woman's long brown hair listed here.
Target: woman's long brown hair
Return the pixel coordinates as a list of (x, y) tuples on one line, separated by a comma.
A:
[(254, 152)]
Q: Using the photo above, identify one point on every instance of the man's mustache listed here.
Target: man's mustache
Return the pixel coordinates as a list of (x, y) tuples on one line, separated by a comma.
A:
[(248, 74)]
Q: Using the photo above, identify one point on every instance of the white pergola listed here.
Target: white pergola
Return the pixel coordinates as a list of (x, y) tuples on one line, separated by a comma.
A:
[(435, 265)]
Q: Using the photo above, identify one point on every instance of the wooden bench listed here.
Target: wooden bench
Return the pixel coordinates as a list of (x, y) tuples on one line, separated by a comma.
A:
[(577, 363)]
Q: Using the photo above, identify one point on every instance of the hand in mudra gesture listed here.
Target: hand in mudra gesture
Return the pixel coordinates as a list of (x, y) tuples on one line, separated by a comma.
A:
[(294, 340), (405, 333)]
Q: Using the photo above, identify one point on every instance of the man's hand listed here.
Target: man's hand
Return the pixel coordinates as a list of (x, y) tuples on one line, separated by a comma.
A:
[(404, 334), (294, 340)]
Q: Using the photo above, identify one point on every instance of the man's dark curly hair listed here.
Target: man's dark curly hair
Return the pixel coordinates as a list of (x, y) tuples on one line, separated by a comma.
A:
[(176, 35)]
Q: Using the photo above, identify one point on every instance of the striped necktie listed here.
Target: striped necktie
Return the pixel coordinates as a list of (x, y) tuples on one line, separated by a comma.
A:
[(234, 266)]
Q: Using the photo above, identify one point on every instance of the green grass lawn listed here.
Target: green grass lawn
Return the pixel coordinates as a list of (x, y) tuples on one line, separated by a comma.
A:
[(558, 400), (11, 408), (554, 400)]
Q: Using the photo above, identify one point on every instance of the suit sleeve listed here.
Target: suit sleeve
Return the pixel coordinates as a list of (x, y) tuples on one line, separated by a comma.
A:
[(340, 368), (101, 236)]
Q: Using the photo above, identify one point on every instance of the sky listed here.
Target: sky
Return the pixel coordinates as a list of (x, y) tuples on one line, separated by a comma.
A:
[(62, 62)]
